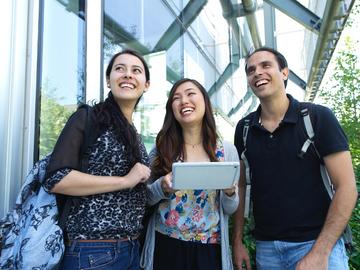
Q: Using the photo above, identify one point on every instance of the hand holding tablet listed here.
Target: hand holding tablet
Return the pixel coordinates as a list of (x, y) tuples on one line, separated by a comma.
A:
[(205, 175)]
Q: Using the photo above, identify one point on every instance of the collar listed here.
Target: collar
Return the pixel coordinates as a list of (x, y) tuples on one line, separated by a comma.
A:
[(291, 115)]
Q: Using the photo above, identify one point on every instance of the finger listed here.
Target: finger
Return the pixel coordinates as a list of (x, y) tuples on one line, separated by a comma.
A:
[(247, 263), (168, 183)]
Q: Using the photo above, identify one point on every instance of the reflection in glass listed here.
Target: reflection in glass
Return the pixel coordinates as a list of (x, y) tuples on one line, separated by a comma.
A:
[(145, 22), (200, 51), (62, 67)]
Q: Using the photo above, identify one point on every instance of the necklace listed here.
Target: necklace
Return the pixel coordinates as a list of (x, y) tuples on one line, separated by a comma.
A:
[(193, 145)]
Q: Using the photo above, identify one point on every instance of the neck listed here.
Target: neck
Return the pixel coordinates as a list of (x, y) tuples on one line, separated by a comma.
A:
[(274, 108), (192, 136), (194, 145), (128, 110)]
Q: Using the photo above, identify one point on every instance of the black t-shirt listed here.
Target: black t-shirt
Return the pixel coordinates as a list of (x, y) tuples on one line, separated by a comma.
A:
[(290, 202)]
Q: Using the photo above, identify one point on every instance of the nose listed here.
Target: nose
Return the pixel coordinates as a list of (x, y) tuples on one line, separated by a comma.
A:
[(127, 73), (184, 99), (258, 71)]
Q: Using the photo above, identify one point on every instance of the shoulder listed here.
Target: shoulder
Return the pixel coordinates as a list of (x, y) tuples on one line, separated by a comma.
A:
[(230, 151), (318, 113), (249, 118), (226, 144), (81, 113), (153, 153)]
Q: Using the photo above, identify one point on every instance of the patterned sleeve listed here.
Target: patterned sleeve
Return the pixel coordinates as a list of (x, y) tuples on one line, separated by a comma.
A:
[(55, 178)]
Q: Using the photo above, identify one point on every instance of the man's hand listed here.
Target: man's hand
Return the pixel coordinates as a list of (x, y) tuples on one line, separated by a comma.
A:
[(313, 261), (241, 256)]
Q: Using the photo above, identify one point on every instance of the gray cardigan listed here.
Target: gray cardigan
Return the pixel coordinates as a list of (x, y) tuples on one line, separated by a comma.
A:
[(228, 206)]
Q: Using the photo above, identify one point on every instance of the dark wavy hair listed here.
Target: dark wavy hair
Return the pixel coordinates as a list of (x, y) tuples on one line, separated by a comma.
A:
[(281, 60), (109, 115), (170, 142)]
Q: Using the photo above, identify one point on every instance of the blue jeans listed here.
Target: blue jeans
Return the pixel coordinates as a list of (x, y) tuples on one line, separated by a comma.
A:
[(279, 255), (119, 255)]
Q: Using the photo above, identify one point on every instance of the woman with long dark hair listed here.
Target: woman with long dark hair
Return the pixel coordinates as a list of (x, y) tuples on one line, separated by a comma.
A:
[(189, 228), (102, 228)]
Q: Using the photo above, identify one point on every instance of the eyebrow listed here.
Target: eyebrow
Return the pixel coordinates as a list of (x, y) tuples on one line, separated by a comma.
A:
[(190, 88), (186, 90), (121, 64), (261, 63)]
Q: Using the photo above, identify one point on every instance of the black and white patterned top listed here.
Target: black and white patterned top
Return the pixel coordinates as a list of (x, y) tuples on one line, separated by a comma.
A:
[(110, 215)]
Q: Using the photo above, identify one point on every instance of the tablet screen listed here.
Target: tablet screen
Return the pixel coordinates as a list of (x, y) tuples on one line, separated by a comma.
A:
[(205, 175)]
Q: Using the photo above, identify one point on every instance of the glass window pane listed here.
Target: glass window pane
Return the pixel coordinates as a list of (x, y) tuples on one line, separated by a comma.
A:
[(62, 67), (141, 24)]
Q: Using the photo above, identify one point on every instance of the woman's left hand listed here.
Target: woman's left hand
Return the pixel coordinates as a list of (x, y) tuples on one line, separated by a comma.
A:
[(166, 184)]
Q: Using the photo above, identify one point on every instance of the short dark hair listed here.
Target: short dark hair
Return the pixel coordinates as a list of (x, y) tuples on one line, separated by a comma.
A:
[(281, 60)]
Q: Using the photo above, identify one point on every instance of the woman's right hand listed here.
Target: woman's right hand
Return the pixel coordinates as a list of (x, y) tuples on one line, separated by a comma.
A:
[(166, 184), (139, 173)]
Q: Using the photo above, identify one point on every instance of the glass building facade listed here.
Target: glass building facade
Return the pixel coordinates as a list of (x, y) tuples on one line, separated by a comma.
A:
[(55, 52)]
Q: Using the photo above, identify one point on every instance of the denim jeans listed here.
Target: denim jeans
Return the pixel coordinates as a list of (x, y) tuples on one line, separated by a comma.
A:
[(279, 255), (121, 255)]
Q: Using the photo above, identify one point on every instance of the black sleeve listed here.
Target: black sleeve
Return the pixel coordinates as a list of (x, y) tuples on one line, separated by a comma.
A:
[(329, 135), (238, 138), (66, 153)]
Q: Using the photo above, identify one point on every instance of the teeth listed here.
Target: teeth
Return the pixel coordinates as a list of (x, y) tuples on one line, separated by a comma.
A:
[(129, 85), (187, 110), (261, 82)]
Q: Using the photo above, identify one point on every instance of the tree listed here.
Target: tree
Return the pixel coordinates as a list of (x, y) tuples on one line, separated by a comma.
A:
[(342, 94), (53, 119)]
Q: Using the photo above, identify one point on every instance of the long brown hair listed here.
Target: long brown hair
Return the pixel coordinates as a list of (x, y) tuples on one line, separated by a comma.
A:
[(170, 141)]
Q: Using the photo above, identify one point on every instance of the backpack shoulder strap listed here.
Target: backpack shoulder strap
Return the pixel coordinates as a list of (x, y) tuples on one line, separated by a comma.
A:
[(247, 169), (310, 141), (347, 234), (309, 132)]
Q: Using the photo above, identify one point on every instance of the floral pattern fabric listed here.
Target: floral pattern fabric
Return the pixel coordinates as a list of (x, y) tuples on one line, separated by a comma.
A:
[(192, 215)]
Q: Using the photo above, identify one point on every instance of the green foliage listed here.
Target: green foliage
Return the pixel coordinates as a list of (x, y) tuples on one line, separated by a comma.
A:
[(342, 94), (52, 120), (249, 240)]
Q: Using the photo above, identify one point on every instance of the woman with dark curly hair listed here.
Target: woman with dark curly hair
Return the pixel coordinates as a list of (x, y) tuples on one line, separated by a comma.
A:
[(102, 228)]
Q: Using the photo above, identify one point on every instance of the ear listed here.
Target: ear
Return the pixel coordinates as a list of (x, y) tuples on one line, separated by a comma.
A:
[(108, 83), (147, 85), (285, 72)]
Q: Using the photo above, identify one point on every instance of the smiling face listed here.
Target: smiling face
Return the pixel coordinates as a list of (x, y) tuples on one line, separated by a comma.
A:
[(188, 104), (127, 79), (264, 75)]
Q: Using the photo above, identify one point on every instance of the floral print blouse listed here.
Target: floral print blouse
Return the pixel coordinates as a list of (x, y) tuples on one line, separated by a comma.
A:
[(192, 215)]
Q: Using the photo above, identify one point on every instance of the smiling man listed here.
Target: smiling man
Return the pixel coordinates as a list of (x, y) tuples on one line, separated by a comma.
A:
[(297, 225)]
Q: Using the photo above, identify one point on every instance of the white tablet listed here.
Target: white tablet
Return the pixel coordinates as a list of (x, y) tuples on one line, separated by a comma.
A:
[(205, 175)]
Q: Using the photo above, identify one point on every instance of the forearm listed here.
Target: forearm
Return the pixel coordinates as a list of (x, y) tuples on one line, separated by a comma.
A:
[(82, 184), (338, 216), (339, 167), (229, 203), (155, 192), (240, 253), (238, 218)]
